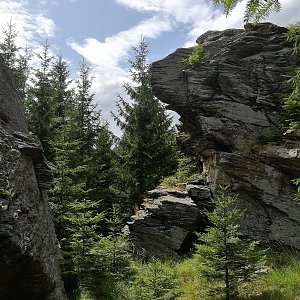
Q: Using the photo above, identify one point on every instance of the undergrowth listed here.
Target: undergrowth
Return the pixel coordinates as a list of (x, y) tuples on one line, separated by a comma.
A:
[(181, 280)]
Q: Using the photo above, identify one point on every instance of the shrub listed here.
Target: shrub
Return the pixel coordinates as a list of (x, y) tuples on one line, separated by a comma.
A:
[(189, 169), (196, 58), (156, 280)]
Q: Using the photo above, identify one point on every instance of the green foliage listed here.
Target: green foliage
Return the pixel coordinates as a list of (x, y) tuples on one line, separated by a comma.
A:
[(156, 280), (39, 100), (271, 137), (147, 150), (191, 285), (280, 282), (296, 181), (8, 47), (256, 10), (225, 258), (4, 186), (16, 58), (292, 101), (189, 169), (293, 36), (196, 58)]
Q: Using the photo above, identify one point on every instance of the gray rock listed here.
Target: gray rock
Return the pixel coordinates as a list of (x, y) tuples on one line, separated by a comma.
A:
[(225, 104), (165, 224), (29, 249)]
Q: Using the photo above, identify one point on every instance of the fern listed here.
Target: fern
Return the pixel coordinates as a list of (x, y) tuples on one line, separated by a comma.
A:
[(228, 5), (257, 10), (293, 35)]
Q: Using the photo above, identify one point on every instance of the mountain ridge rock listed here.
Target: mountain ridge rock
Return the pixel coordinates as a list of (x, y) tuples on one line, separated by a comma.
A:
[(226, 104)]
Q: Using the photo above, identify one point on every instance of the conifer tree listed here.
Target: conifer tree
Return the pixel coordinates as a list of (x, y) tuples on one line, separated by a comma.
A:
[(39, 101), (147, 150), (88, 118), (8, 47), (61, 92), (96, 141), (226, 259), (101, 170), (76, 215), (16, 58)]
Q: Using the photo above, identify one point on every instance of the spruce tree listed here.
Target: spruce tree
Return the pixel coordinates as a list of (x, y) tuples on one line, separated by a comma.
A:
[(61, 92), (16, 58), (88, 118), (8, 47), (39, 101), (225, 258), (147, 150)]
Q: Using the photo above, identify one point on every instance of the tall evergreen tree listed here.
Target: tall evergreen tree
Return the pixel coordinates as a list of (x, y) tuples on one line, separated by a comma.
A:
[(225, 258), (88, 118), (61, 92), (147, 151), (101, 170), (39, 101), (8, 47), (16, 58), (76, 215), (95, 138)]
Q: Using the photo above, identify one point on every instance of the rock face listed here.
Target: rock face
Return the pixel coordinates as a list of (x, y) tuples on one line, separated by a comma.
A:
[(225, 105), (167, 220), (29, 250)]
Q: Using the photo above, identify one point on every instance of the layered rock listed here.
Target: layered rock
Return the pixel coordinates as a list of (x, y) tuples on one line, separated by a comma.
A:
[(29, 249), (226, 104), (166, 223)]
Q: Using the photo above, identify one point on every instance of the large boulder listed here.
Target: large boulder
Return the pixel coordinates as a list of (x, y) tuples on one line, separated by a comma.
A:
[(29, 251), (226, 105), (166, 223)]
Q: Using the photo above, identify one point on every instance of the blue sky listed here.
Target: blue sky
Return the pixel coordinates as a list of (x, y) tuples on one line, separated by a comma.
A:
[(103, 31)]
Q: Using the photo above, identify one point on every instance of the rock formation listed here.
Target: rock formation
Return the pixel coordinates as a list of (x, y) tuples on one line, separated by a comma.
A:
[(167, 220), (226, 104), (29, 250)]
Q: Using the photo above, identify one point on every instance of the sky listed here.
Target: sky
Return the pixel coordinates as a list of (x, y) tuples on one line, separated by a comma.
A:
[(103, 32)]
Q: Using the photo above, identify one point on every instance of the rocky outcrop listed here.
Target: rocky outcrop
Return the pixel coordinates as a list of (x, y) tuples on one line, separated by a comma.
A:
[(166, 223), (29, 249), (226, 104)]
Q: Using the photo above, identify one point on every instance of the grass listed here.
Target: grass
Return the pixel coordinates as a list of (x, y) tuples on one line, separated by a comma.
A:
[(281, 283), (181, 280)]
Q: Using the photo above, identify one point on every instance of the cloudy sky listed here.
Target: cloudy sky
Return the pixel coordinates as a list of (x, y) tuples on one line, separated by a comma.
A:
[(103, 31)]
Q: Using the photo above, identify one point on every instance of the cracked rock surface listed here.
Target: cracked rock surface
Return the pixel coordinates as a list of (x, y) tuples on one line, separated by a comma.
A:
[(167, 220), (29, 249), (226, 104)]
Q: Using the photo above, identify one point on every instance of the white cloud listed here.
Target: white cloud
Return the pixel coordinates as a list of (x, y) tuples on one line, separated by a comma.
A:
[(108, 59), (195, 16), (31, 26)]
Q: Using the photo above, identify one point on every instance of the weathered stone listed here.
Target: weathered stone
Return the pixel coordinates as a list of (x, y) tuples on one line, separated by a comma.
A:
[(29, 249), (165, 224), (226, 104)]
